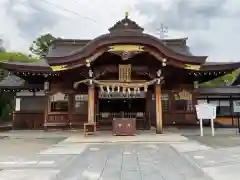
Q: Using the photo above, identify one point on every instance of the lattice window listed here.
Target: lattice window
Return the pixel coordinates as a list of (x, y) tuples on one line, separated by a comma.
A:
[(125, 72)]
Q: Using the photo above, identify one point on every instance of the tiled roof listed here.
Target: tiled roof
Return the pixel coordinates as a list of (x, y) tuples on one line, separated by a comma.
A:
[(12, 81)]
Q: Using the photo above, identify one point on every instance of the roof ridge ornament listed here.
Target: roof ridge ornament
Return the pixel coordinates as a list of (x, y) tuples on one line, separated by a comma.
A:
[(126, 15), (126, 24)]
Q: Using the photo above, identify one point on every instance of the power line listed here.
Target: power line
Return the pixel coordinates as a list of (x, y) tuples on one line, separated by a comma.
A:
[(67, 10), (61, 8), (85, 17)]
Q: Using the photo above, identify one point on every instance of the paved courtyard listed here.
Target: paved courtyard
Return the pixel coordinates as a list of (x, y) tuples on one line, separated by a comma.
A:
[(70, 156)]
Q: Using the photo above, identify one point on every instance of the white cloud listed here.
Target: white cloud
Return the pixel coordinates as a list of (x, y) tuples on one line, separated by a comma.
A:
[(216, 36), (9, 31)]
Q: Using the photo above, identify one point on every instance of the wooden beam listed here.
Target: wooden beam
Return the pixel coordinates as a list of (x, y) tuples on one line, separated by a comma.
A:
[(159, 124)]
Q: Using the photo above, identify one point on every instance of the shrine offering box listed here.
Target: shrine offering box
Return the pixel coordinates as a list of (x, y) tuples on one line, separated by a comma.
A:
[(89, 128), (124, 126)]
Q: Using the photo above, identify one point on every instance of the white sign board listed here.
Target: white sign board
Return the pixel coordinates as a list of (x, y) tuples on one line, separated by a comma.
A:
[(18, 104), (236, 106), (206, 111)]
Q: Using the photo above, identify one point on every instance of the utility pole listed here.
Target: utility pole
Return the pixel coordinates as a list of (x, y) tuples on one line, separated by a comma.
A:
[(162, 31)]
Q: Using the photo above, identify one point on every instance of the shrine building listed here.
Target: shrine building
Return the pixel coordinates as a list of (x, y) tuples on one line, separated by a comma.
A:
[(125, 73)]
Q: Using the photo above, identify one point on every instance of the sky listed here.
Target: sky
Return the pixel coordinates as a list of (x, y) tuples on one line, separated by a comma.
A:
[(211, 26)]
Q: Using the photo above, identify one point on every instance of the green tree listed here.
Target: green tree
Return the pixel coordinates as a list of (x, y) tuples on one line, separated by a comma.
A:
[(40, 46), (223, 80), (6, 99)]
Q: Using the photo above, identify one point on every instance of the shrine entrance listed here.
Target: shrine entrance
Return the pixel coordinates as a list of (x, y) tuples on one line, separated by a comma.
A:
[(127, 106), (121, 105)]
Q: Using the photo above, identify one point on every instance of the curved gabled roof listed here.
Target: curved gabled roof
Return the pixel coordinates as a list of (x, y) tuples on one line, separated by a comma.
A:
[(126, 37), (64, 47), (126, 31)]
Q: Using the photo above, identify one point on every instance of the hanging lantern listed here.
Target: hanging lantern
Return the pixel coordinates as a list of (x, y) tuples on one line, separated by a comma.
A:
[(113, 87), (196, 84), (124, 90), (135, 90), (88, 63), (91, 82), (102, 89), (164, 62), (108, 89), (90, 73), (145, 88), (46, 85), (138, 90), (159, 72)]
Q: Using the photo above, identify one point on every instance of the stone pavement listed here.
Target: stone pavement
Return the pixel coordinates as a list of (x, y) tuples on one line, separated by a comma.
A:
[(220, 164), (70, 160), (163, 157), (115, 161)]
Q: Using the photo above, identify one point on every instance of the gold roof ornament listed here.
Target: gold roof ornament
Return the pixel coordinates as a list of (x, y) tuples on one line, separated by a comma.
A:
[(192, 67), (126, 48), (126, 14), (59, 68), (183, 95)]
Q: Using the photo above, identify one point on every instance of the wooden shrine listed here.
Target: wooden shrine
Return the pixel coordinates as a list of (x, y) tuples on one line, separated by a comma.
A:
[(122, 74)]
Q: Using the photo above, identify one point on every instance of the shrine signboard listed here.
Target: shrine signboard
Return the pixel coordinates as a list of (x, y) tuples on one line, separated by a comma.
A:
[(206, 111), (236, 109), (236, 106)]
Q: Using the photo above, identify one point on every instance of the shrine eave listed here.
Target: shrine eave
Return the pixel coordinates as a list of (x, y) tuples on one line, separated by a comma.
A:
[(220, 66), (124, 37), (222, 90), (26, 66)]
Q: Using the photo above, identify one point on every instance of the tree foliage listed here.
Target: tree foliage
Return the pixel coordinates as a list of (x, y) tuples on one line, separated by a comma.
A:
[(1, 46), (41, 45), (6, 99), (15, 57), (223, 80)]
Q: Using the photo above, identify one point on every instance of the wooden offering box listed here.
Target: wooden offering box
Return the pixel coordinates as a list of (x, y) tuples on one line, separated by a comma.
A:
[(89, 128), (124, 126)]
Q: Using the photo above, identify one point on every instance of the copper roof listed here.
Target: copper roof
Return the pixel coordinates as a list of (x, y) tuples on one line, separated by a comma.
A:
[(65, 47)]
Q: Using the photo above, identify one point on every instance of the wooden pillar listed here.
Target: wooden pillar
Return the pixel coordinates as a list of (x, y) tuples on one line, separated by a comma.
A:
[(71, 100), (91, 104), (159, 123), (149, 107), (46, 110)]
